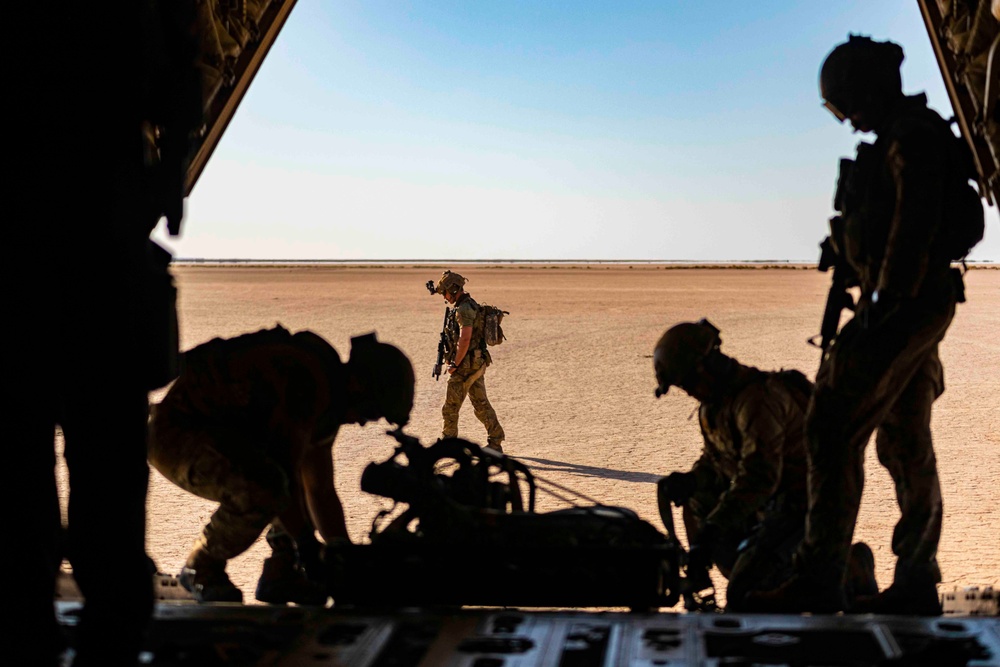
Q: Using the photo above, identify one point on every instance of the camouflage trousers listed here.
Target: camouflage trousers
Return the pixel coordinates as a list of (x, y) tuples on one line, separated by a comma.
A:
[(469, 380), (250, 487), (756, 555), (885, 376), (766, 557)]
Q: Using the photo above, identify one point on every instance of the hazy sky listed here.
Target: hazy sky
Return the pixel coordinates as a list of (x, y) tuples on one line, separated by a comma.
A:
[(674, 130)]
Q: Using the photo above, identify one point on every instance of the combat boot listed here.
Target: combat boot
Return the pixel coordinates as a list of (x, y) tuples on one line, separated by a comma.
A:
[(495, 445), (860, 580), (913, 593), (206, 580), (901, 599), (282, 582)]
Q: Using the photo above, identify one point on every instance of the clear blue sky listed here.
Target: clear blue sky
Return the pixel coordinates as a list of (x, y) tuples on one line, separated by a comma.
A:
[(674, 130)]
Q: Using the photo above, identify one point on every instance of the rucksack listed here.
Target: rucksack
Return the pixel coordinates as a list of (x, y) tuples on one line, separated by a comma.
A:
[(964, 221), (798, 385), (492, 319), (967, 221)]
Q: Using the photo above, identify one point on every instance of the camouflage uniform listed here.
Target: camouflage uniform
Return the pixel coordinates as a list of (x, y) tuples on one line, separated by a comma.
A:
[(233, 426), (750, 479), (469, 378), (883, 371)]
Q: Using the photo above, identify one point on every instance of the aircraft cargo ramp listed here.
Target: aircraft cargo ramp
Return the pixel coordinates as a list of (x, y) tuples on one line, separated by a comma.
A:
[(187, 633)]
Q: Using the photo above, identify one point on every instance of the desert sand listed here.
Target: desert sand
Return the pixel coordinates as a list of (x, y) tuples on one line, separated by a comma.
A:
[(573, 384)]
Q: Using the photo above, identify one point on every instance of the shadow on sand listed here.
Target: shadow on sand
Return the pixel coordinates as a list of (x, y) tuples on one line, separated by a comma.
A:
[(546, 465)]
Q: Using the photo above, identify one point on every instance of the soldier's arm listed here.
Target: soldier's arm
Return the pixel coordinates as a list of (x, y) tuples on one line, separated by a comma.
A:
[(761, 424), (322, 501), (705, 477), (703, 471), (916, 162), (464, 338)]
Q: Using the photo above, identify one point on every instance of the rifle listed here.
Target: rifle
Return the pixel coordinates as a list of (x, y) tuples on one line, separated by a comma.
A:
[(832, 250), (444, 346), (838, 297)]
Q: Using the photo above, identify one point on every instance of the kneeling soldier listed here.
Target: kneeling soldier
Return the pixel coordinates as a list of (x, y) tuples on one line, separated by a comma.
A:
[(744, 501)]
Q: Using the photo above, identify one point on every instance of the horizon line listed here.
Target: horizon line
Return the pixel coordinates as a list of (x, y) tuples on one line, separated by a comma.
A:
[(237, 260)]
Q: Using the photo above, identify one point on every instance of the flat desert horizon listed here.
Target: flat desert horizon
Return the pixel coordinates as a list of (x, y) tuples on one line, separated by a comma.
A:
[(573, 384)]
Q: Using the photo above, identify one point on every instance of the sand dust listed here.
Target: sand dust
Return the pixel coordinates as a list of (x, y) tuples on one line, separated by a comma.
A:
[(573, 384)]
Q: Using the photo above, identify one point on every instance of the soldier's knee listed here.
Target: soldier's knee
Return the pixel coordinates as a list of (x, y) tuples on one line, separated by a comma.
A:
[(259, 506), (272, 500), (267, 493)]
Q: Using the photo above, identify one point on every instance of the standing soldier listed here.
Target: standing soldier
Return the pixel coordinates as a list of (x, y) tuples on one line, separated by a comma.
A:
[(744, 501), (467, 366), (100, 305), (250, 423), (909, 212)]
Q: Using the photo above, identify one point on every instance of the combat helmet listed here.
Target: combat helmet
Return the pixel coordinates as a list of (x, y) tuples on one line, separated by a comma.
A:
[(680, 349), (450, 282), (858, 74), (387, 374)]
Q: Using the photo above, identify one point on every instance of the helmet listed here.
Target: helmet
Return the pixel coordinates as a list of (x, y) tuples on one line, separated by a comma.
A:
[(387, 374), (679, 350), (858, 73), (450, 282)]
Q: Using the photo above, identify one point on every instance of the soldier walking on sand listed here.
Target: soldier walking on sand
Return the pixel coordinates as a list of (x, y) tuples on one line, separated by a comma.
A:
[(909, 211), (467, 367)]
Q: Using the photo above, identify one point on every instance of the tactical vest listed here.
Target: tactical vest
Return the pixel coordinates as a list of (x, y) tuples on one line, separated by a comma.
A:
[(478, 341), (718, 422)]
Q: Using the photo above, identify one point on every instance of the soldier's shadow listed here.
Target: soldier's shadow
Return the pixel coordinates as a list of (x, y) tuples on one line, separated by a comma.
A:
[(546, 465)]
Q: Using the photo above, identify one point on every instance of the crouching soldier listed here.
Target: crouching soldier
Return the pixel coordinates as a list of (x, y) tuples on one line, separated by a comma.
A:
[(250, 423), (744, 501)]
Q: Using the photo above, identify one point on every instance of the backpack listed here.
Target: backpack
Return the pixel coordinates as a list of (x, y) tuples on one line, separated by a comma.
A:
[(492, 319), (800, 387), (965, 221)]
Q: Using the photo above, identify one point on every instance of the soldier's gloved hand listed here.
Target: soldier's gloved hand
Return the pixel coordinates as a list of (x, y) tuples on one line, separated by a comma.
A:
[(335, 560), (310, 552), (677, 486), (700, 555)]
